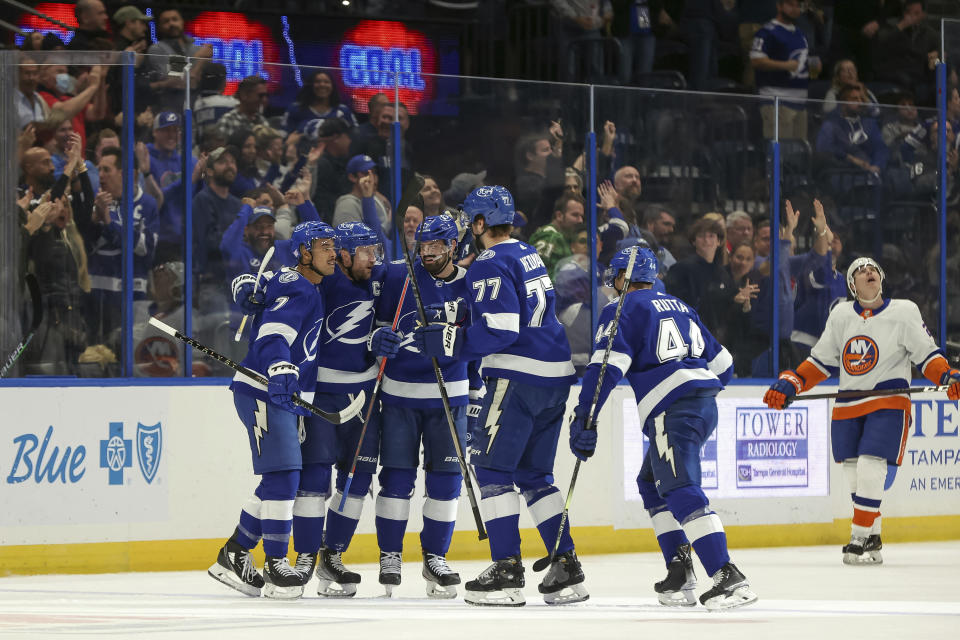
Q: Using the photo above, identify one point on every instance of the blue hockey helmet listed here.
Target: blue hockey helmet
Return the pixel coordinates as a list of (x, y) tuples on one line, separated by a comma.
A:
[(353, 235), (441, 227), (495, 204), (306, 232), (645, 267)]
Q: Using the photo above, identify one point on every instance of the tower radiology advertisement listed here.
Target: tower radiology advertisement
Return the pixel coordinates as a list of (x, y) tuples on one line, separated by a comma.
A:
[(754, 451)]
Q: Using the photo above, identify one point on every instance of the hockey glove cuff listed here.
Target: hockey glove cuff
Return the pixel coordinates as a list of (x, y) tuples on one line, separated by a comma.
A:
[(250, 302), (952, 378), (284, 385), (438, 340), (384, 342), (782, 392), (451, 311)]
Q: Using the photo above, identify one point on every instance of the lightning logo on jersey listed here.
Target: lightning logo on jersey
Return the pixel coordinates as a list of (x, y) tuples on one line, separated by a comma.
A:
[(492, 424), (354, 316), (260, 428), (663, 446)]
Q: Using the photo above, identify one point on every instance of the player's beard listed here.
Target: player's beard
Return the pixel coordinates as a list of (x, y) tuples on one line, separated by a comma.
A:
[(437, 265)]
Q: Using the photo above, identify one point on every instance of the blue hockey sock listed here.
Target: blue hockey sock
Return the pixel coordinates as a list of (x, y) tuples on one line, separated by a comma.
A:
[(309, 508), (276, 510), (668, 531), (439, 511), (703, 527), (249, 530), (342, 524), (393, 507), (500, 506), (546, 506)]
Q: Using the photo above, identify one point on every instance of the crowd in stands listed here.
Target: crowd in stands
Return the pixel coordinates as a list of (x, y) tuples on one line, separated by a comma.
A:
[(259, 168)]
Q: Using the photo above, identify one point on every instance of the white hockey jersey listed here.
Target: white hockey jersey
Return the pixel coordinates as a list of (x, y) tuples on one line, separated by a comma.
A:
[(874, 349)]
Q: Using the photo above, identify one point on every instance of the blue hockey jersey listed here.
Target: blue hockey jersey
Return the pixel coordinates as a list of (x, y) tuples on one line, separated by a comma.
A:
[(514, 326), (345, 363), (287, 330), (105, 247), (662, 348), (409, 379)]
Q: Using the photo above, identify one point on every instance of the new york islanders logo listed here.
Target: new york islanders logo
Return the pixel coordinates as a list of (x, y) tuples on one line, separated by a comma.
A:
[(860, 355)]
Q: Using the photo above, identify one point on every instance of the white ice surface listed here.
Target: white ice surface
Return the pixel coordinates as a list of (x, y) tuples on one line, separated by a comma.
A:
[(804, 593)]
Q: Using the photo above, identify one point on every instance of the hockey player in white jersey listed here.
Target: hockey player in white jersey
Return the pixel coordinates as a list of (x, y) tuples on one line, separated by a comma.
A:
[(873, 341), (283, 347), (526, 362)]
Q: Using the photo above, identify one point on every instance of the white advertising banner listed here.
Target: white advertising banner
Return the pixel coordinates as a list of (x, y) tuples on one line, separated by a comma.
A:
[(754, 451), (68, 460)]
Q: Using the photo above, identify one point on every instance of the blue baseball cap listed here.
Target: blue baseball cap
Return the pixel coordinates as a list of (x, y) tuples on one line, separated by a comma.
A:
[(258, 212), (360, 164), (166, 119)]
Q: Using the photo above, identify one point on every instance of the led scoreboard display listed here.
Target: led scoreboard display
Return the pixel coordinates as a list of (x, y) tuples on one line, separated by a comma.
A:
[(376, 54), (246, 47), (366, 56)]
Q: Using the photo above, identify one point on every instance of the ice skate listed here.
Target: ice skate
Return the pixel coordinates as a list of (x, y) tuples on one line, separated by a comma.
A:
[(676, 590), (281, 581), (305, 564), (390, 563), (336, 581), (563, 583), (234, 567), (500, 585), (730, 590), (862, 551), (439, 576)]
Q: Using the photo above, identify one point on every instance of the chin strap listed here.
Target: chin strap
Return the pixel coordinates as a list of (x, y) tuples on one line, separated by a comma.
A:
[(873, 299)]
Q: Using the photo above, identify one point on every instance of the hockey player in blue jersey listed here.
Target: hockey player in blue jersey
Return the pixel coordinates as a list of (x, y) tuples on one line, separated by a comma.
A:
[(413, 412), (283, 347), (676, 369), (526, 362), (348, 347)]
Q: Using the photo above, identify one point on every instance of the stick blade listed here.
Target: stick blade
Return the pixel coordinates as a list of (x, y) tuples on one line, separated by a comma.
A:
[(542, 563), (163, 326)]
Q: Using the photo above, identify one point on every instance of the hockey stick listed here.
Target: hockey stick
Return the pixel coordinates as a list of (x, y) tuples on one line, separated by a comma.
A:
[(263, 267), (339, 417), (373, 398), (410, 195), (34, 288), (869, 393), (544, 562)]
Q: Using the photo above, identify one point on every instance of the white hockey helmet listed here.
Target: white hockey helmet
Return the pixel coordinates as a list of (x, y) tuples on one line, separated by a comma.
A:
[(858, 264)]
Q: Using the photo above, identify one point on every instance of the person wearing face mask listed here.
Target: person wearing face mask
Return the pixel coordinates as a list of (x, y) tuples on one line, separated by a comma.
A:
[(850, 139), (66, 96)]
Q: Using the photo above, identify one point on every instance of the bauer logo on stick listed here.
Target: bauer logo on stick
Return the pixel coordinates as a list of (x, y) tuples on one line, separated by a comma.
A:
[(860, 355)]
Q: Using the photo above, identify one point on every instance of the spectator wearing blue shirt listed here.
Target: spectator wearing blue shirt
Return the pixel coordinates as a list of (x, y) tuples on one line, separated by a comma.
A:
[(849, 139), (779, 58), (166, 165), (632, 24)]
